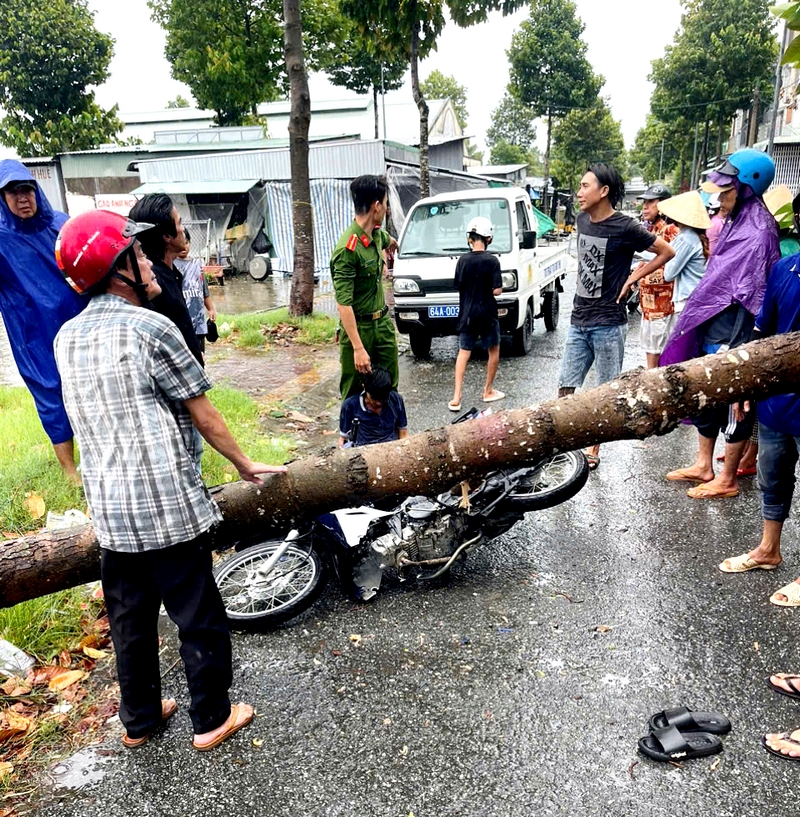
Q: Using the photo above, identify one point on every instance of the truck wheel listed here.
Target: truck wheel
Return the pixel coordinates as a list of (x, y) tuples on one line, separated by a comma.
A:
[(550, 310), (420, 344), (522, 338)]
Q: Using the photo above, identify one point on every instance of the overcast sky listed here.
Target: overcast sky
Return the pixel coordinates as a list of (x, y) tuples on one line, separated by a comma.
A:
[(623, 37)]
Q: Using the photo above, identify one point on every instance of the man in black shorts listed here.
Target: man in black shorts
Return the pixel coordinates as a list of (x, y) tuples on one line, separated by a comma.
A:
[(478, 280)]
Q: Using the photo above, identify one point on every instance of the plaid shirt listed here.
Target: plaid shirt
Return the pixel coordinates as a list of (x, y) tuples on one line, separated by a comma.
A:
[(125, 373)]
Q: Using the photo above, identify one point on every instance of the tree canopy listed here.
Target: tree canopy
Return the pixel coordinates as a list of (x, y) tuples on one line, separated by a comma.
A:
[(550, 73), (512, 122), (416, 25), (722, 58), (583, 136), (231, 53), (441, 86), (50, 53)]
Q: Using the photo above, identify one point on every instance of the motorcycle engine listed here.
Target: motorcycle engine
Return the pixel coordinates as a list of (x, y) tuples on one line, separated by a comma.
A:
[(430, 532)]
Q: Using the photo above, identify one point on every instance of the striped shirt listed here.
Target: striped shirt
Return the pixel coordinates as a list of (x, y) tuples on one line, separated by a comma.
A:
[(125, 373)]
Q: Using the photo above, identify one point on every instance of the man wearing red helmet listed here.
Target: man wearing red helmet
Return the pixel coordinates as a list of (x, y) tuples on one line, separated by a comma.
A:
[(134, 394)]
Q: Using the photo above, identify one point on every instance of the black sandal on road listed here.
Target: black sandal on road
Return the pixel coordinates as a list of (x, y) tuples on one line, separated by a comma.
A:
[(790, 680), (685, 720), (670, 745)]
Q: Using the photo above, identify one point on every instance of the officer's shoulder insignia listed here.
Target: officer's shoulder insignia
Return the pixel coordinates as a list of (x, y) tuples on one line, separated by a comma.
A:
[(352, 242), (365, 240)]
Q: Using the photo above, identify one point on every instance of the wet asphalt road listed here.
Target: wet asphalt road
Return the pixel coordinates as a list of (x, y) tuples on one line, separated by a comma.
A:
[(496, 695)]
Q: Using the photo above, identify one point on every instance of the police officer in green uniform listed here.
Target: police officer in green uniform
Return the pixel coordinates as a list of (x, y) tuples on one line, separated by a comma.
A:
[(357, 269)]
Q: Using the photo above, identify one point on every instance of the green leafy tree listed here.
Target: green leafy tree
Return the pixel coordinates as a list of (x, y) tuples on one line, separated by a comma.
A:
[(512, 122), (363, 63), (50, 53), (790, 13), (583, 136), (417, 24), (178, 102), (722, 60), (230, 52), (440, 86), (473, 152), (506, 153), (657, 151), (549, 70)]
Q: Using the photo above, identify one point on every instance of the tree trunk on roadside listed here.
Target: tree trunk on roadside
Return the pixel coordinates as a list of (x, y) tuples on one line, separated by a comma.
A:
[(422, 105), (704, 154), (546, 171), (301, 298), (375, 109), (640, 403)]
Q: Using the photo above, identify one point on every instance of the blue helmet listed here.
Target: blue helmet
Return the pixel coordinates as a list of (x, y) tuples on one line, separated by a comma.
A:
[(751, 167)]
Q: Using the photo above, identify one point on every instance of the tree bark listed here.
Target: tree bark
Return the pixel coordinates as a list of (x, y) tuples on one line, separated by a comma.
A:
[(375, 110), (422, 105), (301, 298), (752, 134), (640, 403)]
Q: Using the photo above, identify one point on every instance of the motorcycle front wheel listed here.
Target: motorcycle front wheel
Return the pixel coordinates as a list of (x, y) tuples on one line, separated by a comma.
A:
[(257, 601), (549, 483)]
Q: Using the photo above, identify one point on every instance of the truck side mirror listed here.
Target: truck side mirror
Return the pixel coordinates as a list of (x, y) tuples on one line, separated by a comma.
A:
[(529, 239)]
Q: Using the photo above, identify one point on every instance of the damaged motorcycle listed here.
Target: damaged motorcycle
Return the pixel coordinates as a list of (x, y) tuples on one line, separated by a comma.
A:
[(269, 582)]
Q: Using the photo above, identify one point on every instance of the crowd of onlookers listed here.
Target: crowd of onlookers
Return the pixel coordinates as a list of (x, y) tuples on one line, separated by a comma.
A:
[(118, 356)]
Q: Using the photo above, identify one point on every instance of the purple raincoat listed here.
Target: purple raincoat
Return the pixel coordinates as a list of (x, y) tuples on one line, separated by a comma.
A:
[(737, 272)]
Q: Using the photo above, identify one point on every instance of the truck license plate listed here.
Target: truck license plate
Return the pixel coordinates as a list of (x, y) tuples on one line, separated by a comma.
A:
[(442, 311)]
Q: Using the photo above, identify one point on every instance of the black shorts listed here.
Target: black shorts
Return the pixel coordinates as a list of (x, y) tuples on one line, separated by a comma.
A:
[(720, 419)]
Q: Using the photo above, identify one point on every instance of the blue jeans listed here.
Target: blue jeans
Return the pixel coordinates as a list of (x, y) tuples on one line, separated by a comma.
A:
[(777, 458), (602, 345)]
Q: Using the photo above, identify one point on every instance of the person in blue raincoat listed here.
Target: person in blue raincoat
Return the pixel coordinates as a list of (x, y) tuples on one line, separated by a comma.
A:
[(35, 300)]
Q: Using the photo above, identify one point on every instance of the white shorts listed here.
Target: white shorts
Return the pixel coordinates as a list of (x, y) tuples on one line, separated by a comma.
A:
[(654, 334)]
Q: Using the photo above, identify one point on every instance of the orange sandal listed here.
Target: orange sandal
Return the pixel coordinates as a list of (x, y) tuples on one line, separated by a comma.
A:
[(241, 715), (169, 706)]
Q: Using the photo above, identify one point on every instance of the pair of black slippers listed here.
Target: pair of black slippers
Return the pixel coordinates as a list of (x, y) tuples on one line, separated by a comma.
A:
[(681, 734)]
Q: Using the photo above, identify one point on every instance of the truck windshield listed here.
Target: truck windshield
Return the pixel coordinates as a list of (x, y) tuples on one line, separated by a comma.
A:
[(440, 228)]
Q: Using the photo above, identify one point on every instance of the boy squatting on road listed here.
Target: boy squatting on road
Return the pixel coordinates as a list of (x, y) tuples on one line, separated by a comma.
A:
[(377, 415), (134, 394), (478, 279)]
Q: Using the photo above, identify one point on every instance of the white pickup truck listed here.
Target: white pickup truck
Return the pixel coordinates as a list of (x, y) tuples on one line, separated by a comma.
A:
[(433, 237)]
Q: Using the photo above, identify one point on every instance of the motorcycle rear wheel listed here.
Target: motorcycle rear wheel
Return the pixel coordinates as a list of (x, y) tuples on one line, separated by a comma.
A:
[(255, 602), (551, 482)]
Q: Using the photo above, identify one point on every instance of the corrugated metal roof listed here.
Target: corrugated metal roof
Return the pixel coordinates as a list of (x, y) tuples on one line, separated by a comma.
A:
[(196, 187), (344, 160)]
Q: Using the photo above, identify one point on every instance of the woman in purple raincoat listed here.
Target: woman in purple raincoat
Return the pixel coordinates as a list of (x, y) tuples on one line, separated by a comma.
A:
[(35, 300), (721, 312)]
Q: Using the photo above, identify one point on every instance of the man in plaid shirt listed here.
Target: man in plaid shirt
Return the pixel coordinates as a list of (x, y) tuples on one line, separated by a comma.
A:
[(134, 392)]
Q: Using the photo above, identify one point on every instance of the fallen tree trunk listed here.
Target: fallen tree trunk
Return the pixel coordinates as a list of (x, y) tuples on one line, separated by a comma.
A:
[(639, 404)]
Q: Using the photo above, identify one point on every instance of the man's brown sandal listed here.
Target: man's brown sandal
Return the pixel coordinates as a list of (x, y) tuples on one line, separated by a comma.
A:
[(169, 706)]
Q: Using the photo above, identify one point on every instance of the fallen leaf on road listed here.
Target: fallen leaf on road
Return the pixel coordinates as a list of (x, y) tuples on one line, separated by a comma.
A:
[(93, 653), (404, 751), (756, 646), (298, 417), (13, 724), (35, 505), (258, 742), (387, 721), (66, 679), (356, 639), (5, 768), (602, 628)]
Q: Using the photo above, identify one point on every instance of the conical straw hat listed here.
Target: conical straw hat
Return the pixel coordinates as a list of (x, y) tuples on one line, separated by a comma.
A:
[(777, 197), (688, 209)]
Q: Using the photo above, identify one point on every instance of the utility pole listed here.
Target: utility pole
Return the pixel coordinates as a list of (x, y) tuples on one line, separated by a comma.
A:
[(776, 95), (752, 131), (661, 162), (383, 103), (695, 174)]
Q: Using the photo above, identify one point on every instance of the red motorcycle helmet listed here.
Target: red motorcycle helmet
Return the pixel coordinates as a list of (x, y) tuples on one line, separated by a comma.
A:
[(89, 245)]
